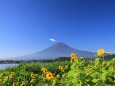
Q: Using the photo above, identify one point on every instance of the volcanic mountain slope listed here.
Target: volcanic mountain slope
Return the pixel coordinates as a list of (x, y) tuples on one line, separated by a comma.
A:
[(58, 50)]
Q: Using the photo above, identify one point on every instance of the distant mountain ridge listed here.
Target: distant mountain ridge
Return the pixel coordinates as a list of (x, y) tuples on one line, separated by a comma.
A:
[(108, 57), (57, 50)]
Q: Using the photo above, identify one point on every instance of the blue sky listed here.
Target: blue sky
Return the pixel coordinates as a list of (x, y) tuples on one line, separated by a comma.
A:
[(27, 25)]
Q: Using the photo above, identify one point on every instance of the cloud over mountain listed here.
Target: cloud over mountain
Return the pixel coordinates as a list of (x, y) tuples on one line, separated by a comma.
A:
[(53, 40)]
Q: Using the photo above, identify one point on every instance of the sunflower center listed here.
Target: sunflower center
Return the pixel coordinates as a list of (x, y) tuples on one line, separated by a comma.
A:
[(49, 75)]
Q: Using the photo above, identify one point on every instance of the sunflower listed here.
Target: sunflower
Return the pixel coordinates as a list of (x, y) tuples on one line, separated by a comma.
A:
[(59, 67), (23, 84), (54, 79), (49, 76), (12, 73), (75, 59), (44, 70), (100, 52), (73, 55), (62, 68), (1, 80), (0, 75), (47, 72), (112, 67), (58, 76), (66, 66), (36, 75), (32, 75)]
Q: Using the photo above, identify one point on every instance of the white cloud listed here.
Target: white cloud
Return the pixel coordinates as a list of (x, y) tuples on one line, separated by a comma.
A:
[(53, 40)]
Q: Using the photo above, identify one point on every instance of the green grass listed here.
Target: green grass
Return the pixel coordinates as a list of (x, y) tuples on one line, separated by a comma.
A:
[(79, 73)]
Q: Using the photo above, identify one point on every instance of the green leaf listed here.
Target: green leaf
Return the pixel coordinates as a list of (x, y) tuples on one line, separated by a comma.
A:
[(97, 61), (32, 81), (113, 59), (95, 80), (103, 76), (108, 85)]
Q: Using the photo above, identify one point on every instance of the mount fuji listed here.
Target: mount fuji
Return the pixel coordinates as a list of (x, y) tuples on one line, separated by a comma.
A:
[(57, 50)]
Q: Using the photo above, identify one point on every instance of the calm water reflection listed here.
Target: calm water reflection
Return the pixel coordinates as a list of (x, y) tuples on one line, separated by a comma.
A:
[(3, 66)]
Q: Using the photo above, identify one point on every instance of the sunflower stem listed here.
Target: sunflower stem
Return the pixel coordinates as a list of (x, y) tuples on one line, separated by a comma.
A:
[(103, 57)]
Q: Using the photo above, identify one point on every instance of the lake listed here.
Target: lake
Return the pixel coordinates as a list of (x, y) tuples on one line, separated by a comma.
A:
[(3, 66)]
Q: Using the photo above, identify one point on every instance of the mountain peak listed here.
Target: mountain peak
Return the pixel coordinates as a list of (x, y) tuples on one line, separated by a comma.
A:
[(60, 45)]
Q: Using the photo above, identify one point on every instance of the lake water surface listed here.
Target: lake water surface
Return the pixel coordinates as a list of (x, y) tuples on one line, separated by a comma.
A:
[(3, 66)]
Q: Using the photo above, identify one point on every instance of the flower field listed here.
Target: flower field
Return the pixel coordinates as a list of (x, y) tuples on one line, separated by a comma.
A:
[(77, 72)]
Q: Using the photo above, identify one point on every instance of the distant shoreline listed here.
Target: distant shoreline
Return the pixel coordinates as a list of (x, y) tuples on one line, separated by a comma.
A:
[(20, 61)]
